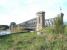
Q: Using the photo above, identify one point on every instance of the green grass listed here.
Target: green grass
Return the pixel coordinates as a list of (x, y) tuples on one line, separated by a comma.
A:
[(31, 41), (65, 30)]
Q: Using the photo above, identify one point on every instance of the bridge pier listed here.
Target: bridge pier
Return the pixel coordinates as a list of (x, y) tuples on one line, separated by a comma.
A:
[(40, 21)]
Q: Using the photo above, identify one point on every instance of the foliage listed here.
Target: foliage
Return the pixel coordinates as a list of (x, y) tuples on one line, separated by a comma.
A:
[(47, 30), (59, 27), (31, 41), (65, 29)]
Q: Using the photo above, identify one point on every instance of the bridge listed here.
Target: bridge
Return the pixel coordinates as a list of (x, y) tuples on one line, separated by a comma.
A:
[(4, 27), (32, 24), (40, 21)]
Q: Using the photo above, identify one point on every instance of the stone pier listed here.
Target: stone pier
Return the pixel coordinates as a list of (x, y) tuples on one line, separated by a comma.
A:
[(40, 21)]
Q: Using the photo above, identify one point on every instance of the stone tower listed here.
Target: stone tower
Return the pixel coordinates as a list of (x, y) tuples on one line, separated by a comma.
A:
[(12, 27), (40, 20)]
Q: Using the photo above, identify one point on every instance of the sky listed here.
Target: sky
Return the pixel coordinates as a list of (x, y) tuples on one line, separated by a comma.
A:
[(22, 10)]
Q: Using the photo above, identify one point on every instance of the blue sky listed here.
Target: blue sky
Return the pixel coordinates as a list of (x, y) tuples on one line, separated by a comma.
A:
[(22, 10)]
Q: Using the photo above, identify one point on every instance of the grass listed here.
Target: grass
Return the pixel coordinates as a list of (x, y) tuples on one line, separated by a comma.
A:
[(65, 30), (31, 41)]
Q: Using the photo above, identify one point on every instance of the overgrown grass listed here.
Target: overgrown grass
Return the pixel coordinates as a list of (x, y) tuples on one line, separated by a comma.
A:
[(31, 41), (65, 30)]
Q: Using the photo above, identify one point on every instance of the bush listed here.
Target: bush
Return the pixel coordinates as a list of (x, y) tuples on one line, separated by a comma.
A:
[(58, 25)]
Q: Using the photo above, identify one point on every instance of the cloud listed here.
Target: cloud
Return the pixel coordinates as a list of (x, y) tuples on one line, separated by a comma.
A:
[(22, 10), (3, 2)]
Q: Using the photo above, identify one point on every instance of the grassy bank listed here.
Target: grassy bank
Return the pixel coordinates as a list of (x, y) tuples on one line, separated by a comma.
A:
[(31, 41)]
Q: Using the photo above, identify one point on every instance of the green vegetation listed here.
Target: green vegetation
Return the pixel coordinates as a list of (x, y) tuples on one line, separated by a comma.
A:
[(31, 41), (65, 29), (52, 38), (59, 26), (65, 23)]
